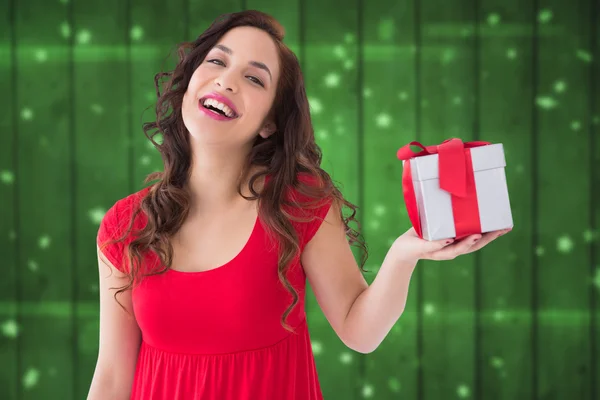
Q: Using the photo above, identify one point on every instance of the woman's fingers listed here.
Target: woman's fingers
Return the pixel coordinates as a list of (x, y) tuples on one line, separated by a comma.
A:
[(456, 249)]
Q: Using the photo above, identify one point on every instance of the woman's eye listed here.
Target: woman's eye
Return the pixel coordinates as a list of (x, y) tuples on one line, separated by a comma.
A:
[(252, 78), (256, 80)]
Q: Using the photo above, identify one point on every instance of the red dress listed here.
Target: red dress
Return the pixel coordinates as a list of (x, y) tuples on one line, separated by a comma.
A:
[(216, 335)]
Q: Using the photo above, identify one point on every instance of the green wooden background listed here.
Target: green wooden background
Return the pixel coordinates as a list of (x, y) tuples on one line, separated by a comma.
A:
[(518, 320)]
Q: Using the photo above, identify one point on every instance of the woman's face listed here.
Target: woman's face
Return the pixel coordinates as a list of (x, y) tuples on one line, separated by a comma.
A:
[(239, 78)]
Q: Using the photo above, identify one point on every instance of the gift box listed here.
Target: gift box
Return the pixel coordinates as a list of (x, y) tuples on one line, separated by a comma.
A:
[(455, 189)]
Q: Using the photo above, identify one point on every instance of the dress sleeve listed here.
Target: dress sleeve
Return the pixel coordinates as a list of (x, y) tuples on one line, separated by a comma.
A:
[(317, 215), (113, 226)]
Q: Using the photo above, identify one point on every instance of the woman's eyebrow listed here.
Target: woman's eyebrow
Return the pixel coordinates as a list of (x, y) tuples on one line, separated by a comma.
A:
[(257, 64)]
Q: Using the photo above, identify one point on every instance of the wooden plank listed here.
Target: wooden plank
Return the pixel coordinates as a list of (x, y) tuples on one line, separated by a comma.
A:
[(9, 320), (46, 211), (563, 193), (504, 285), (330, 62), (389, 122), (448, 88), (100, 110), (152, 51), (595, 200), (205, 12), (288, 14)]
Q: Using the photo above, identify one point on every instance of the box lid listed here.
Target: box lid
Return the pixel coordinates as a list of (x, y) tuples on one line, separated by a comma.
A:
[(484, 157)]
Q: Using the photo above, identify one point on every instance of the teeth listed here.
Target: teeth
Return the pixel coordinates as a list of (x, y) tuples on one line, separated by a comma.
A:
[(217, 104)]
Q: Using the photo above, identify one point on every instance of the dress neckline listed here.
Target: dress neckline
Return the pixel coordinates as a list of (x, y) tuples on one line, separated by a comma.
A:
[(233, 261)]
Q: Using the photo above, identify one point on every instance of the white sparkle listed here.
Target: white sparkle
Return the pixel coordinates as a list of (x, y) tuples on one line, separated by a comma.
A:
[(546, 102), (493, 19), (545, 15), (589, 235), (497, 362), (448, 55), (394, 384), (384, 120), (27, 114), (65, 30), (560, 86), (564, 244), (32, 265), (315, 105), (41, 55), (584, 55), (339, 51), (332, 80), (368, 390), (463, 391), (345, 358), (10, 329), (499, 315), (322, 134), (84, 36), (317, 347), (429, 309), (44, 242), (96, 214), (31, 378), (379, 210), (575, 125), (97, 109), (137, 32), (374, 224), (7, 177)]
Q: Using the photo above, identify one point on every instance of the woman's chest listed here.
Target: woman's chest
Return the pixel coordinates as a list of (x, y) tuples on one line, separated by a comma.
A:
[(234, 308)]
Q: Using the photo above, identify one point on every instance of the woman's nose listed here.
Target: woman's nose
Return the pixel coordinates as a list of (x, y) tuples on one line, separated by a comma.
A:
[(226, 82)]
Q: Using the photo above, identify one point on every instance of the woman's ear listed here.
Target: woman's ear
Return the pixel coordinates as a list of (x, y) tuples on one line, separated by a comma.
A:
[(267, 130)]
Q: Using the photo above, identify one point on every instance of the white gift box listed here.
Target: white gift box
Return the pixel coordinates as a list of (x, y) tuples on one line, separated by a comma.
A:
[(435, 205)]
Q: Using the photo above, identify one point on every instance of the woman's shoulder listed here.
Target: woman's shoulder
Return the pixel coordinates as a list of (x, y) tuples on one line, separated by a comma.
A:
[(120, 213), (311, 181)]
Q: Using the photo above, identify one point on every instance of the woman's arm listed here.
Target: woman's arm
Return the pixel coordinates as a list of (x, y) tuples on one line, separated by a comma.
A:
[(119, 338), (360, 314)]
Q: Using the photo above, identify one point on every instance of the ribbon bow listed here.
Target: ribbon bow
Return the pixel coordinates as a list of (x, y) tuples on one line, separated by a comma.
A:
[(456, 177)]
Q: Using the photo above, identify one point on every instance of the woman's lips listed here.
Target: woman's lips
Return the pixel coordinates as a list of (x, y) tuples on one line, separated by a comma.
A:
[(213, 114)]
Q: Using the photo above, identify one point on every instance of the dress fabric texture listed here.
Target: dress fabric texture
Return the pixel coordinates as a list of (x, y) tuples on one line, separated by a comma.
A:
[(216, 334)]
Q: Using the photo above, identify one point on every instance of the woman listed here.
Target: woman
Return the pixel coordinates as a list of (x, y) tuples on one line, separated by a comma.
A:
[(211, 261)]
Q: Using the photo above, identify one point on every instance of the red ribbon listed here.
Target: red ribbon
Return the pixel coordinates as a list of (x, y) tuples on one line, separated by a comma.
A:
[(456, 177)]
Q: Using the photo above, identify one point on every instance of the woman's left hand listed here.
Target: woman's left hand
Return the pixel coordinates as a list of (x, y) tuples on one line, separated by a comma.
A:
[(411, 248)]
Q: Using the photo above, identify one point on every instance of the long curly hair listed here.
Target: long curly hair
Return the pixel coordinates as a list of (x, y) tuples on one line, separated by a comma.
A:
[(288, 152)]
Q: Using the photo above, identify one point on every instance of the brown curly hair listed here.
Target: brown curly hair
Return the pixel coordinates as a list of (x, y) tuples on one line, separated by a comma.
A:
[(290, 151)]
